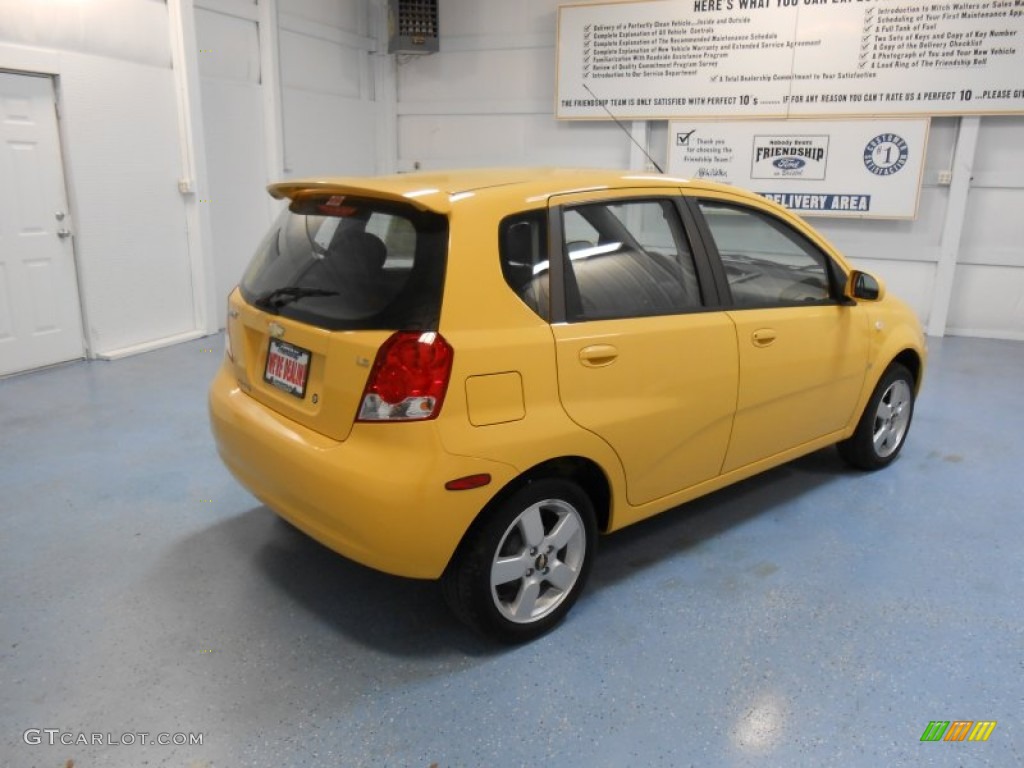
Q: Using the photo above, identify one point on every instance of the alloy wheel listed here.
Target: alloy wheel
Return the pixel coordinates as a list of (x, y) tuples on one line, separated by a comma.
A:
[(538, 561)]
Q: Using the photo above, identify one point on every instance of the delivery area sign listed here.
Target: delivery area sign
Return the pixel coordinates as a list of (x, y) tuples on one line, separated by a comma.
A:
[(852, 168)]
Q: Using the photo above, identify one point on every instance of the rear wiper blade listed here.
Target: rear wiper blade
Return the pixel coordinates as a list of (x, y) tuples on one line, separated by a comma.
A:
[(279, 297)]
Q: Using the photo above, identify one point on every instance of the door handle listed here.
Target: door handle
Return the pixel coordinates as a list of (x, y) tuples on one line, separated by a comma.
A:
[(62, 233), (763, 337), (598, 355)]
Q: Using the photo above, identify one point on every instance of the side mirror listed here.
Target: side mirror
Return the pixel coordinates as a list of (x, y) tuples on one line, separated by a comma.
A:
[(864, 286)]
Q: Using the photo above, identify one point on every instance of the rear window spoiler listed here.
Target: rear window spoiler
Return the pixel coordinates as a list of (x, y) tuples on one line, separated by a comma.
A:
[(423, 198)]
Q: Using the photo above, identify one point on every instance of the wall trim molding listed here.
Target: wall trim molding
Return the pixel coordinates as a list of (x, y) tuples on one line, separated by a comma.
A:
[(192, 142), (149, 346), (986, 333), (488, 43), (299, 26), (510, 107), (247, 11), (952, 230)]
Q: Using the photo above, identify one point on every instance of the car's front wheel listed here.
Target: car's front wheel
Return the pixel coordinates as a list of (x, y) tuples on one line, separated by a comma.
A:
[(883, 427), (521, 568)]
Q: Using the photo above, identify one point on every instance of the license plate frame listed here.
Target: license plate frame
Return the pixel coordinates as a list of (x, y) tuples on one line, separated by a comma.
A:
[(287, 367)]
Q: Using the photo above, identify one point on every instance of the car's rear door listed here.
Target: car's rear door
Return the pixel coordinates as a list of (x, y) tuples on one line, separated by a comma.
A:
[(646, 358), (802, 351)]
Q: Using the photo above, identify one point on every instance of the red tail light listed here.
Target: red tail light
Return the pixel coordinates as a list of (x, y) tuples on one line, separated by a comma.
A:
[(408, 379)]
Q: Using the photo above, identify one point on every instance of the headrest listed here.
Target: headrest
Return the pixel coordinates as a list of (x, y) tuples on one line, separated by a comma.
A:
[(363, 248)]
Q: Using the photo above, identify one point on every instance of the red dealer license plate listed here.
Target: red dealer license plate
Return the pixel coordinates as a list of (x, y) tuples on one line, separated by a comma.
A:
[(287, 367)]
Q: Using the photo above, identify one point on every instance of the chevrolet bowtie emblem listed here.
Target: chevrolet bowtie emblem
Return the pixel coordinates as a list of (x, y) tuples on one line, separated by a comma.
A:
[(276, 330)]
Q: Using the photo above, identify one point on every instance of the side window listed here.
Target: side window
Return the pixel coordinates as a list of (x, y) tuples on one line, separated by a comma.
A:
[(628, 258), (523, 248), (767, 263)]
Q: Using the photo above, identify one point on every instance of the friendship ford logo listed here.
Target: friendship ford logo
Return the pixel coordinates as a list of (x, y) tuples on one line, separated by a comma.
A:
[(801, 156), (789, 163)]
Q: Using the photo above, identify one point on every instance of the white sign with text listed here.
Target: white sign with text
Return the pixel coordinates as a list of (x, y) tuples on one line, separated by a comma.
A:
[(853, 168), (790, 58)]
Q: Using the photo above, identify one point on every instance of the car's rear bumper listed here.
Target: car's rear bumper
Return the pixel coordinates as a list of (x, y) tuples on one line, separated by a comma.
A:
[(377, 498)]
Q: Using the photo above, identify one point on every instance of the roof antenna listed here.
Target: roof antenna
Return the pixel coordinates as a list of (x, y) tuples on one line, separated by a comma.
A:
[(624, 129)]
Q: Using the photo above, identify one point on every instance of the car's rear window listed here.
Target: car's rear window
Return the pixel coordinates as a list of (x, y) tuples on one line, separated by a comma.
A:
[(346, 263)]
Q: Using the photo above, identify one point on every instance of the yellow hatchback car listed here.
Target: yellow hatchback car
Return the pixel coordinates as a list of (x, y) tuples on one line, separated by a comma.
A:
[(467, 376)]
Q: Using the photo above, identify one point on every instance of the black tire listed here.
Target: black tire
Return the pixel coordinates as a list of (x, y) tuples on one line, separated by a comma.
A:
[(884, 425), (545, 534)]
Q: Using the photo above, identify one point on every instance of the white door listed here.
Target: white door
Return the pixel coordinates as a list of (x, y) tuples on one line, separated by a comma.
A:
[(40, 318)]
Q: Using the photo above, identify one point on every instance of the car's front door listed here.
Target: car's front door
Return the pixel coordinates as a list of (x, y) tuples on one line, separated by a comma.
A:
[(802, 351), (645, 359)]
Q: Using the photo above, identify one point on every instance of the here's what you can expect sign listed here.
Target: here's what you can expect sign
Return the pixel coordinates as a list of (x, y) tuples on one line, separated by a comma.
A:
[(790, 58), (857, 168)]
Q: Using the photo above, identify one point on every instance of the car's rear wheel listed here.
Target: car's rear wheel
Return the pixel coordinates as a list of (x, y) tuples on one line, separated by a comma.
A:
[(883, 427), (521, 568)]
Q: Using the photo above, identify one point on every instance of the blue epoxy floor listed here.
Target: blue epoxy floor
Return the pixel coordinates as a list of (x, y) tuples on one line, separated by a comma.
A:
[(810, 617)]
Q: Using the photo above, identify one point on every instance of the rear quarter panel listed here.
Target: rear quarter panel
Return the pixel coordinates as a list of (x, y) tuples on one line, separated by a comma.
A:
[(493, 332)]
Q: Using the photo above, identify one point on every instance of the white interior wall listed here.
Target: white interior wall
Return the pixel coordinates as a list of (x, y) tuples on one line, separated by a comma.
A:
[(488, 99), (119, 133), (230, 70), (330, 112), (126, 30), (315, 70), (988, 286), (123, 162), (904, 253)]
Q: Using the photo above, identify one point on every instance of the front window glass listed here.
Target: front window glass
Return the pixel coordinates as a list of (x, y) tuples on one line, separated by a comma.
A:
[(344, 263), (766, 261)]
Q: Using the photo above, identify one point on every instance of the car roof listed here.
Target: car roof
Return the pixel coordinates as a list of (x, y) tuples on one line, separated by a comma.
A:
[(438, 190)]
